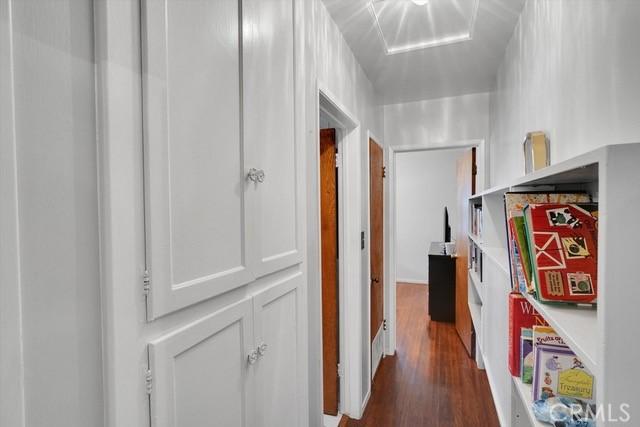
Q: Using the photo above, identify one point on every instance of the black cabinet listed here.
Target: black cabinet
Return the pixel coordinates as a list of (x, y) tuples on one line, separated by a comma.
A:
[(442, 284)]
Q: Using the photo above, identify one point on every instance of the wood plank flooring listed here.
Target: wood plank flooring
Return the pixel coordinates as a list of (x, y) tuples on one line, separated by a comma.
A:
[(430, 381)]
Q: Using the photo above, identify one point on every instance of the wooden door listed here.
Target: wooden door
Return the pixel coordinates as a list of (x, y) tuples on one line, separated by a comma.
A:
[(376, 207), (466, 187), (198, 210), (329, 245), (201, 372), (279, 338)]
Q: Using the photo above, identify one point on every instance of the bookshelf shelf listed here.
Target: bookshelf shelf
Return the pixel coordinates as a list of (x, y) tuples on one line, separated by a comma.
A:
[(476, 239), (524, 393), (499, 256), (601, 337), (576, 326), (477, 283)]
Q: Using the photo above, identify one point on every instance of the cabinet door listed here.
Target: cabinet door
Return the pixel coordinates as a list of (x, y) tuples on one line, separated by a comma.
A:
[(198, 231), (201, 374), (280, 369), (270, 129)]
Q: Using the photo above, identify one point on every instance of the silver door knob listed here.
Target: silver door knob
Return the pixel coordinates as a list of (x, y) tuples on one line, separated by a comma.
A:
[(262, 349), (252, 357), (256, 175)]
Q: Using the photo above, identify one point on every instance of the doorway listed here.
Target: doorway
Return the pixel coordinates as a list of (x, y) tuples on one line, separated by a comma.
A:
[(396, 271)]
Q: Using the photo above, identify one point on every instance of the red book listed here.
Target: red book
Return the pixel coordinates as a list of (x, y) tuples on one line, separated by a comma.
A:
[(563, 242), (521, 315)]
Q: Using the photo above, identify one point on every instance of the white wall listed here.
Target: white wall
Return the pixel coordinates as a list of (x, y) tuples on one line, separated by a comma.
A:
[(425, 183), (436, 123), (52, 64), (330, 61), (571, 70)]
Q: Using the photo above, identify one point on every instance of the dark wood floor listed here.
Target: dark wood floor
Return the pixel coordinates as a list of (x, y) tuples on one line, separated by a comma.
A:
[(430, 381)]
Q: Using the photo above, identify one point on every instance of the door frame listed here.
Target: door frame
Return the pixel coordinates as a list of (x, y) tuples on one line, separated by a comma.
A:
[(349, 270), (391, 225)]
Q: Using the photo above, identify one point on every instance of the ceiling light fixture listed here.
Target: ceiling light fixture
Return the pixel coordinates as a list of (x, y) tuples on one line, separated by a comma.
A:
[(420, 2)]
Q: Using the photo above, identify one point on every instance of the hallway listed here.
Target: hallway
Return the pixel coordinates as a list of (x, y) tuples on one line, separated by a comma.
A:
[(430, 381)]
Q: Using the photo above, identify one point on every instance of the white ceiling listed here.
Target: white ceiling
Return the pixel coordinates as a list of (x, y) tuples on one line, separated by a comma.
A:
[(411, 52)]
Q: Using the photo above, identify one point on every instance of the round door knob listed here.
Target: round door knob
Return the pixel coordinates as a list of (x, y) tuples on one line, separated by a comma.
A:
[(252, 357), (262, 349)]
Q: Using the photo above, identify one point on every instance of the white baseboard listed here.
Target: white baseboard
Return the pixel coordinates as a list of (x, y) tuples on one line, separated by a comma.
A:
[(413, 281)]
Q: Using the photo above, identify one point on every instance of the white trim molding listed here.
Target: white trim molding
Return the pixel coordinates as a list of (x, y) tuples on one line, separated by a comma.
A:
[(349, 245)]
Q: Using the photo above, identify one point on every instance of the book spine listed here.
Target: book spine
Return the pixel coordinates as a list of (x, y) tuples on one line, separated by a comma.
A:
[(513, 354)]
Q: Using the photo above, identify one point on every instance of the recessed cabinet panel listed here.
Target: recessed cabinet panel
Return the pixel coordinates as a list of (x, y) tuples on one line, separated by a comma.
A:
[(201, 374), (269, 106), (197, 229), (278, 375)]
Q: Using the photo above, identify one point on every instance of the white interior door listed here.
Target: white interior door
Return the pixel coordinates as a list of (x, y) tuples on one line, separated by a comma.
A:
[(279, 369), (201, 373), (198, 231), (269, 118)]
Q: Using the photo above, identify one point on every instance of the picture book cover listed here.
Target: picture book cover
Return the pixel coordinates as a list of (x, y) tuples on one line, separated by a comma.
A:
[(526, 355), (521, 315), (514, 203), (546, 335), (563, 246), (558, 372)]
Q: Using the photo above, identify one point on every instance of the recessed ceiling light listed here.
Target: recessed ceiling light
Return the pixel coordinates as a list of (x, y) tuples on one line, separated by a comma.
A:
[(420, 2)]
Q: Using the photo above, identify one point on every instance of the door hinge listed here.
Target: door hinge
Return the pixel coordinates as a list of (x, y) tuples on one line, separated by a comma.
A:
[(146, 283), (474, 170), (384, 171), (340, 371), (338, 160), (148, 377), (384, 325)]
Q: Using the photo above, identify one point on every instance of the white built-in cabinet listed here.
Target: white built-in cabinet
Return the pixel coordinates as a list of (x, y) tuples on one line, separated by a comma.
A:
[(222, 212), (220, 157), (240, 366)]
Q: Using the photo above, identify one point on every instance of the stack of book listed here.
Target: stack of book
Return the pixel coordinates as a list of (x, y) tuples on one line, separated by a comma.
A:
[(552, 242)]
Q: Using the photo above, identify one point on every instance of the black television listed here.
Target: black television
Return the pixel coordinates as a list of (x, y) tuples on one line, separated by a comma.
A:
[(447, 227)]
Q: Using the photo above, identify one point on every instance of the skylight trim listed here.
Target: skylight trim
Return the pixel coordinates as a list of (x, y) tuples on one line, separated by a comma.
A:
[(436, 42)]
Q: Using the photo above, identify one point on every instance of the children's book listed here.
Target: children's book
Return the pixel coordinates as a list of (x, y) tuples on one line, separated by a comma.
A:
[(558, 372), (526, 355), (521, 315), (546, 335), (514, 204), (563, 247)]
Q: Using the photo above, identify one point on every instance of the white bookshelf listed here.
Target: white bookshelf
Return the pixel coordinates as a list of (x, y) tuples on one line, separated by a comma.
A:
[(524, 416), (602, 336)]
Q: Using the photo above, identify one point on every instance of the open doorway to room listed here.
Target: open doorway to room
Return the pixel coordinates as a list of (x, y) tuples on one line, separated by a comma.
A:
[(431, 367)]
